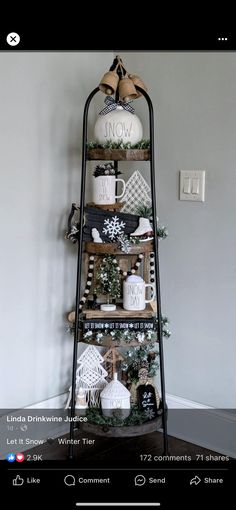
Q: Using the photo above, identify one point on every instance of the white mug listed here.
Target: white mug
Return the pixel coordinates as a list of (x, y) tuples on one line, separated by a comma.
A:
[(134, 289), (104, 189)]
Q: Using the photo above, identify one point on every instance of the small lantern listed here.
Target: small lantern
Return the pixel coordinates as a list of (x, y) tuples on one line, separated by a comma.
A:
[(115, 396)]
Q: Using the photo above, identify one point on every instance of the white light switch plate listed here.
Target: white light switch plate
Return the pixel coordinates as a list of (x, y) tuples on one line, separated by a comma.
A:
[(192, 185)]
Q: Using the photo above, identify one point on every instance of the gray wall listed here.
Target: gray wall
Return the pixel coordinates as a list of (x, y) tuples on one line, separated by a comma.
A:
[(42, 97), (195, 108)]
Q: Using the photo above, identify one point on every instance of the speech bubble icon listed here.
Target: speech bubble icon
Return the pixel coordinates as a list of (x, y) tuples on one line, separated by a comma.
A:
[(69, 480), (139, 480)]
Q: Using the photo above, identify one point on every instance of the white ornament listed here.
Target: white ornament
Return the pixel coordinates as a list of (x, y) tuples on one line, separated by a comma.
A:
[(113, 227), (118, 125), (96, 236)]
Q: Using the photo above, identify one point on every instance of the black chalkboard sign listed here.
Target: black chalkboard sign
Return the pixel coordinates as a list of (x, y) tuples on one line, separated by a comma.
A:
[(147, 400)]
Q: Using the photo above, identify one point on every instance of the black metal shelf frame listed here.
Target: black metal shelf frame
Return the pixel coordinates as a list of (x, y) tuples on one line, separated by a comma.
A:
[(79, 266)]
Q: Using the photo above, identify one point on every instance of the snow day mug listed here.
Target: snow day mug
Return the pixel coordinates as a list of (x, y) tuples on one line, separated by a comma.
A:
[(104, 189), (134, 288)]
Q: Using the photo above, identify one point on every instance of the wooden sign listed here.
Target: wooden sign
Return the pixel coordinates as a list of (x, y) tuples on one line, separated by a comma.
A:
[(109, 224), (111, 358), (147, 400)]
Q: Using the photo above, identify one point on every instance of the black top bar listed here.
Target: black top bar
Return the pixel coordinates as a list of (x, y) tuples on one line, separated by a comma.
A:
[(71, 39)]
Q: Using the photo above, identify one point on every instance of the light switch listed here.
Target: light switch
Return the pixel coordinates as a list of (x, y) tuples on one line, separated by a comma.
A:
[(195, 186), (186, 185), (192, 185)]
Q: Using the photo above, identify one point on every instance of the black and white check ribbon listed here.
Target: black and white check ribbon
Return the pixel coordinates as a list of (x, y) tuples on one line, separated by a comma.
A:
[(112, 105)]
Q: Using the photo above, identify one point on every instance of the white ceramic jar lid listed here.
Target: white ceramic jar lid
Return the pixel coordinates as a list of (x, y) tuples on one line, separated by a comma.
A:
[(134, 278)]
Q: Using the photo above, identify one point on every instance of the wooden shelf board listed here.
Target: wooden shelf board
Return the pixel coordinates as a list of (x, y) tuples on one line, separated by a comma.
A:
[(130, 431), (112, 248), (119, 154), (107, 207), (120, 313)]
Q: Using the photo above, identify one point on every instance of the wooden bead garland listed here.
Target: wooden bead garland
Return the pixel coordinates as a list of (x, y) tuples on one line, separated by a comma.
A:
[(133, 269), (89, 282), (152, 271), (91, 270)]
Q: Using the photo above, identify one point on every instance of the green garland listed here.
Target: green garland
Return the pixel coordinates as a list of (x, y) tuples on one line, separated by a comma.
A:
[(109, 144), (162, 232), (136, 417), (143, 355), (124, 335)]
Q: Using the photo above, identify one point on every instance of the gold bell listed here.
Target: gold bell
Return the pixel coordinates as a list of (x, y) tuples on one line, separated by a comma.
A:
[(109, 83), (127, 90), (137, 81)]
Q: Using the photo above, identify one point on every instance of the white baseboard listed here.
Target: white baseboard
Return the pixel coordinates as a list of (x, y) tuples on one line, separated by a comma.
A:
[(56, 402), (212, 429), (175, 402)]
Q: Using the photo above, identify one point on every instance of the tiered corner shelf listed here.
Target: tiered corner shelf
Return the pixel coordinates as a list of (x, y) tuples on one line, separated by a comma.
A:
[(120, 319)]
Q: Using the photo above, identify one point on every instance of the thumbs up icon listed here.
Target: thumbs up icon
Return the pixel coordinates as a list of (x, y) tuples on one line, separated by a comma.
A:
[(18, 480)]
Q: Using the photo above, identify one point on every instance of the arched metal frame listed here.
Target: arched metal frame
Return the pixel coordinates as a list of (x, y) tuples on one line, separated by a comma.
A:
[(79, 266)]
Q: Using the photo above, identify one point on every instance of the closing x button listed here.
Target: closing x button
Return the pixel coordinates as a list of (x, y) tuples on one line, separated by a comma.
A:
[(13, 39)]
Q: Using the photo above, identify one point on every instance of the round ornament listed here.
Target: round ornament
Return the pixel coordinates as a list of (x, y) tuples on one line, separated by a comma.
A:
[(118, 125)]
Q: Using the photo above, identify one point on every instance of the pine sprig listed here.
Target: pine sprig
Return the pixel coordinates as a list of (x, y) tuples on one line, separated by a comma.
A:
[(109, 144), (144, 211), (162, 232), (108, 282), (105, 169)]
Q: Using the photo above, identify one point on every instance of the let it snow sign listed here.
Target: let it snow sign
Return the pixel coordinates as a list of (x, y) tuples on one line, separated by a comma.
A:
[(147, 400)]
